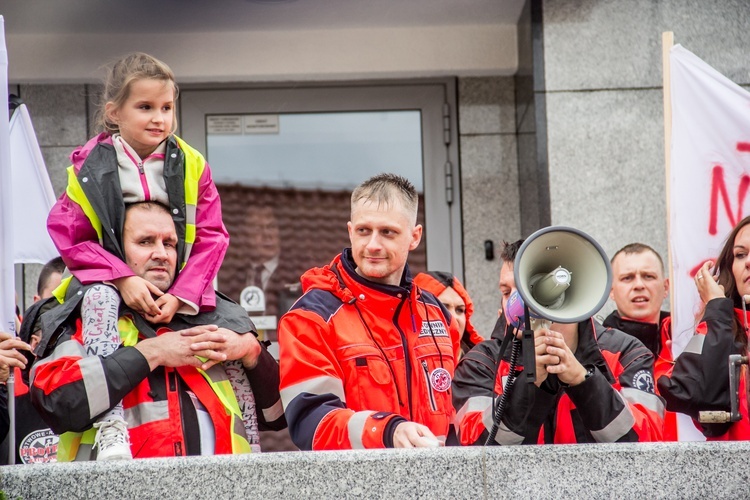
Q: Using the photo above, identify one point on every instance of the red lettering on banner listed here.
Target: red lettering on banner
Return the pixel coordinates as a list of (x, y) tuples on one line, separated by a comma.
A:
[(743, 147), (695, 269), (719, 189)]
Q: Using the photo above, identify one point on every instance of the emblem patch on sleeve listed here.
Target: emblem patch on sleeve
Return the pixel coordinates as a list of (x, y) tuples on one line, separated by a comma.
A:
[(644, 381)]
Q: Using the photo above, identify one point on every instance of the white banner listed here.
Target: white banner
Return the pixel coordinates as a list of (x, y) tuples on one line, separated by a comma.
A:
[(709, 178), (710, 175)]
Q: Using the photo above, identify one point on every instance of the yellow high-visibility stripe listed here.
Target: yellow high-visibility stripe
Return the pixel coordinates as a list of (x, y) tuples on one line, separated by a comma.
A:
[(75, 193)]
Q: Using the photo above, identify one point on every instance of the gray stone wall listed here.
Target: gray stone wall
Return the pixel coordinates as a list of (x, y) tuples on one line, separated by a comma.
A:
[(604, 112), (489, 180), (59, 116), (628, 470)]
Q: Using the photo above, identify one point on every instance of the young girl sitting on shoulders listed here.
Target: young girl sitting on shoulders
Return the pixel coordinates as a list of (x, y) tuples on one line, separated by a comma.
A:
[(136, 158)]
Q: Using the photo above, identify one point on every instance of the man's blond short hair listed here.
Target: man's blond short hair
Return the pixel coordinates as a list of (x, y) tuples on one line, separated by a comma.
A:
[(383, 189)]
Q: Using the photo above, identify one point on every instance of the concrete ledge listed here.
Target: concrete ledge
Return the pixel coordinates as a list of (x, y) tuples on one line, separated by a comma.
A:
[(658, 470)]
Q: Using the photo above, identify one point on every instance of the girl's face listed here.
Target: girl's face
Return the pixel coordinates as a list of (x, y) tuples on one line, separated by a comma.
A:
[(146, 117), (455, 305), (741, 262)]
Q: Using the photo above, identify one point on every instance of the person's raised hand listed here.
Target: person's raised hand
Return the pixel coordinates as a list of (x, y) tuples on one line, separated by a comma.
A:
[(706, 284), (567, 368), (168, 305), (10, 357), (543, 358), (139, 294)]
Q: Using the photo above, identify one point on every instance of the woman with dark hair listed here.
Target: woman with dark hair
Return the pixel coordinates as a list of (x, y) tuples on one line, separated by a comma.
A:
[(699, 380), (452, 294)]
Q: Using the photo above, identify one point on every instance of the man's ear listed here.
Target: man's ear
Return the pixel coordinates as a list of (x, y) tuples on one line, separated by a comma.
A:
[(666, 285), (349, 229), (416, 237)]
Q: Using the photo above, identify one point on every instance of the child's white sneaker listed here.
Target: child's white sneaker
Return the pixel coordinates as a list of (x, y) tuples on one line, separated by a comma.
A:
[(113, 440)]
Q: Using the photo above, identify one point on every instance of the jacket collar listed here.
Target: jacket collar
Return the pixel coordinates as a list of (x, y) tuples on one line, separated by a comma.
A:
[(340, 278), (349, 266), (648, 333)]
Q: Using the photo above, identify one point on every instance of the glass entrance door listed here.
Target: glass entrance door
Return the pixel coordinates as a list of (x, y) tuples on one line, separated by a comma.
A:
[(286, 160)]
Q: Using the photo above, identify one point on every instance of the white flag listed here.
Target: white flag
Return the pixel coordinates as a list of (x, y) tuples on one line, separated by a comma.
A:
[(33, 196), (709, 180)]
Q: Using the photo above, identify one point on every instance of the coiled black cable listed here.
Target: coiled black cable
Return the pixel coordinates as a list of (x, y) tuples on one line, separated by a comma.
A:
[(509, 384)]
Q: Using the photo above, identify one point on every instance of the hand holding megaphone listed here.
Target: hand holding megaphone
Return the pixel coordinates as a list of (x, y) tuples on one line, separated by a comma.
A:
[(551, 354)]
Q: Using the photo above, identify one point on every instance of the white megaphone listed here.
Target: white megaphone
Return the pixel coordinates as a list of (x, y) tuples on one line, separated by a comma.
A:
[(562, 275)]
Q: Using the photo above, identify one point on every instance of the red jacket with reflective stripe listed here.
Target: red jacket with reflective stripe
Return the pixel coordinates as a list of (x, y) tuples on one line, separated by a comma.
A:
[(70, 389), (616, 404), (61, 390), (657, 337), (358, 357)]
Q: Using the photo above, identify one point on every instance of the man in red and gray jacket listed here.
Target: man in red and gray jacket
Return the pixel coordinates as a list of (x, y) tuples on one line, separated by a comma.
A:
[(593, 384), (366, 357)]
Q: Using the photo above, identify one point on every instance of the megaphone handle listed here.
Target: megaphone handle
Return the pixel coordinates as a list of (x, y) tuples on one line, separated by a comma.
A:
[(529, 356), (529, 350)]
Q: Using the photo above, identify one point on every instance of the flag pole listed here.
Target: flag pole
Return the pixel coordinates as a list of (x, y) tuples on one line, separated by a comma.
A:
[(667, 41), (7, 274)]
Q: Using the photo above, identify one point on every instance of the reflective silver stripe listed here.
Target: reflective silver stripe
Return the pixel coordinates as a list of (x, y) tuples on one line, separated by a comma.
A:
[(144, 413), (217, 373), (477, 403), (695, 345), (92, 372), (274, 412), (356, 427), (645, 399), (190, 211), (188, 250), (317, 385), (504, 436), (95, 383), (617, 427), (64, 349), (238, 428)]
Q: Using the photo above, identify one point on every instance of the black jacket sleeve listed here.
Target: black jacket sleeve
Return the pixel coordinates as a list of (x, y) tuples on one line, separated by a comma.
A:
[(699, 380), (264, 381)]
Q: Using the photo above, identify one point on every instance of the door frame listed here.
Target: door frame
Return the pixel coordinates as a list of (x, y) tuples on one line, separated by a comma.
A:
[(434, 98)]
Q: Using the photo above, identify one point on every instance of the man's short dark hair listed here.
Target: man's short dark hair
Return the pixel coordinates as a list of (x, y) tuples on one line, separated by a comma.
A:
[(148, 206), (636, 248), (54, 266), (510, 250)]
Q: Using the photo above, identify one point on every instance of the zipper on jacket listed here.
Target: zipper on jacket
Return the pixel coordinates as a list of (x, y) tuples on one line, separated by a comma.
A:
[(144, 181), (407, 358), (433, 404)]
